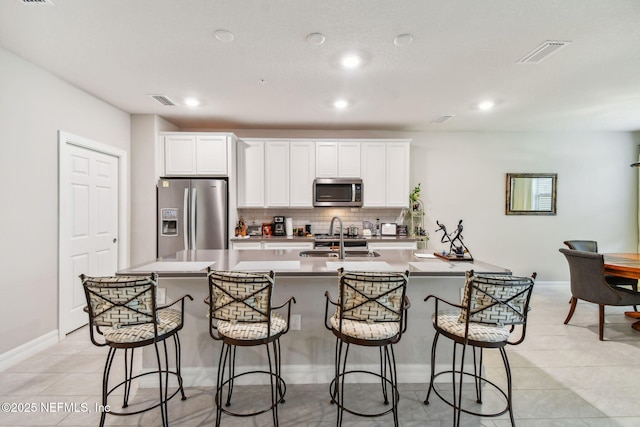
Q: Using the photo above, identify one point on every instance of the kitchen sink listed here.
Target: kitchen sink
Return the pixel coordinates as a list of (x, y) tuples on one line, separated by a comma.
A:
[(336, 254)]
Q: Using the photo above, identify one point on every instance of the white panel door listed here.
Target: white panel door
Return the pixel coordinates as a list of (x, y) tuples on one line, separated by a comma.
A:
[(88, 226)]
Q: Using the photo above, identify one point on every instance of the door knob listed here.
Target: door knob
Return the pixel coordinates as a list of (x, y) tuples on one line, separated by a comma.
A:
[(115, 240)]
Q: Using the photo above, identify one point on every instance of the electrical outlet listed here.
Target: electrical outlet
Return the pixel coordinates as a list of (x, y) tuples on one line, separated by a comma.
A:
[(296, 322), (161, 296)]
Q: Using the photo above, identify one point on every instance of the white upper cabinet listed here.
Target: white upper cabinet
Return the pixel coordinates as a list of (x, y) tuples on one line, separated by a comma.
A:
[(277, 173), (211, 155), (373, 163), (250, 174), (302, 171), (338, 159), (385, 173), (397, 171), (189, 154)]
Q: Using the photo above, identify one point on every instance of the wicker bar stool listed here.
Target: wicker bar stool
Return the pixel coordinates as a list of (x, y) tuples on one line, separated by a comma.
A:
[(491, 308), (123, 315), (370, 312), (241, 315)]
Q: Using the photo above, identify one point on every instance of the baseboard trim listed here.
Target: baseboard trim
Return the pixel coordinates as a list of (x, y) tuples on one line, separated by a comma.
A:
[(26, 350)]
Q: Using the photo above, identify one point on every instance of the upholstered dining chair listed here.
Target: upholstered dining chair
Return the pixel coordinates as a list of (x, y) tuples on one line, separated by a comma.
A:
[(370, 312), (592, 246), (491, 308), (123, 315), (588, 283), (241, 315)]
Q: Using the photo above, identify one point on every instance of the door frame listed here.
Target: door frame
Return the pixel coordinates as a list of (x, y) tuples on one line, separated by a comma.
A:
[(65, 140)]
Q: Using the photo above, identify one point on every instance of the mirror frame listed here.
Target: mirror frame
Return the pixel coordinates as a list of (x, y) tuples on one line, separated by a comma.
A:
[(554, 183)]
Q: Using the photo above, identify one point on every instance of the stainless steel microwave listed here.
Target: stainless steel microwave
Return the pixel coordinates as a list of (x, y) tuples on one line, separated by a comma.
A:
[(337, 192)]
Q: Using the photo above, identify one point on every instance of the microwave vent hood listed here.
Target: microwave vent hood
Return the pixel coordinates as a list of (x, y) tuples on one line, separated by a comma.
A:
[(337, 192)]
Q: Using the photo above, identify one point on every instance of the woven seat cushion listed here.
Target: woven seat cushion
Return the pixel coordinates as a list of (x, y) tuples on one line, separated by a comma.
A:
[(168, 320), (252, 331), (477, 331), (366, 330)]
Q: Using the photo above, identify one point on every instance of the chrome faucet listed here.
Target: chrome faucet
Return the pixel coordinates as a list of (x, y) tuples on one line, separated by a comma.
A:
[(341, 249)]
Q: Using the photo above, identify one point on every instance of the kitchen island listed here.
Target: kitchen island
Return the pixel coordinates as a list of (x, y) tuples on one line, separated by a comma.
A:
[(307, 354)]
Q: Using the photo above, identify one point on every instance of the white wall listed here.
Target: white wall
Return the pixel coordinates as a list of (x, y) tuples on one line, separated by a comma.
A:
[(463, 177), (144, 174), (34, 105)]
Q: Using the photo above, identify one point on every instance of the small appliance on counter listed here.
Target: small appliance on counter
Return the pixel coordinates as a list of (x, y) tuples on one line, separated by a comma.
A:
[(388, 229), (278, 226)]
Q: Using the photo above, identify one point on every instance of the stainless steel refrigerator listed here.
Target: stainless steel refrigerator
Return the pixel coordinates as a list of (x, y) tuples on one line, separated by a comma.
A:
[(192, 214)]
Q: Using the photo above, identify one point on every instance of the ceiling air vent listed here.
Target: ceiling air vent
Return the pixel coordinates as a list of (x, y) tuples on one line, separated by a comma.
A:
[(43, 2), (543, 51), (441, 119), (163, 100)]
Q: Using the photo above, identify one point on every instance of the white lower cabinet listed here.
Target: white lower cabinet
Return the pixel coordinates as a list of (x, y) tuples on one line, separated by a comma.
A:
[(392, 245), (288, 245), (246, 246), (262, 245)]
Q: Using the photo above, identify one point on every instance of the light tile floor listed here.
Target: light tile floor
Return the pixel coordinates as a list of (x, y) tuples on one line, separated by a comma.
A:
[(563, 376)]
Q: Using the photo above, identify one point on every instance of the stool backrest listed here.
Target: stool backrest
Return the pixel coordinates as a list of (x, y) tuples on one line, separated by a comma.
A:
[(496, 299), (372, 296), (236, 296), (120, 300)]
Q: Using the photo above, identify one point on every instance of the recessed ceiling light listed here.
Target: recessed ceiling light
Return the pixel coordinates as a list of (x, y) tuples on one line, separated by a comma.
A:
[(403, 40), (340, 104), (316, 39), (351, 61), (224, 36), (486, 105), (191, 102)]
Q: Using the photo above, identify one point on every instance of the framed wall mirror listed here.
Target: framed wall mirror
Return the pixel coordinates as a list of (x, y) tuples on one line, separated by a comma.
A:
[(531, 193)]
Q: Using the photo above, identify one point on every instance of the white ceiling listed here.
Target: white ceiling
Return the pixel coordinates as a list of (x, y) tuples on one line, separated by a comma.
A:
[(463, 52)]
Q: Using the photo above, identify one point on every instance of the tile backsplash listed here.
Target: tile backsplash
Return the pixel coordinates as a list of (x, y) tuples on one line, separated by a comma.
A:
[(319, 218)]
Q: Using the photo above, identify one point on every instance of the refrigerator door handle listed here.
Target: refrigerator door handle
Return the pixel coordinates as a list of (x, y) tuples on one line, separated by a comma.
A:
[(185, 217), (192, 235)]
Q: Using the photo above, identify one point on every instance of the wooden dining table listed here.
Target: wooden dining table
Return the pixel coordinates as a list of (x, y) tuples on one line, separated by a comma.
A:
[(624, 265)]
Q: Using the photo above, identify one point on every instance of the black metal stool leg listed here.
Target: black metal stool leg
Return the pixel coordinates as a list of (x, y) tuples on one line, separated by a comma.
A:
[(507, 368), (383, 373), (176, 341), (433, 367), (222, 362), (163, 406), (128, 375), (232, 372), (105, 382)]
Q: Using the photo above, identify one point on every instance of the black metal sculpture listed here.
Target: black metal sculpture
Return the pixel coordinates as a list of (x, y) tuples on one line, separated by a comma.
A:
[(458, 251)]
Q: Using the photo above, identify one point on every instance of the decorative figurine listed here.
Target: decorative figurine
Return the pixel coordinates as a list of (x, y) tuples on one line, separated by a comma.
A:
[(458, 251)]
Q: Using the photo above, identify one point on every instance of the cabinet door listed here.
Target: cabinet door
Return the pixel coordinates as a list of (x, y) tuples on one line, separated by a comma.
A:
[(246, 246), (250, 174), (349, 160), (302, 169), (373, 165), (326, 159), (211, 155), (288, 245), (277, 173), (180, 155), (397, 174)]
